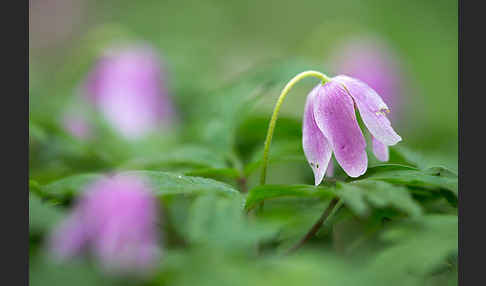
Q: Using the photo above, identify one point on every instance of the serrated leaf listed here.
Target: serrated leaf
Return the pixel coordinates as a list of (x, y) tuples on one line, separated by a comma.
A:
[(362, 195), (221, 223), (359, 196), (421, 246), (433, 178)]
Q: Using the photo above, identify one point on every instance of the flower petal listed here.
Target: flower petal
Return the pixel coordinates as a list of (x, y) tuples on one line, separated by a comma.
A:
[(379, 149), (68, 238), (330, 169), (335, 116), (316, 147), (371, 108)]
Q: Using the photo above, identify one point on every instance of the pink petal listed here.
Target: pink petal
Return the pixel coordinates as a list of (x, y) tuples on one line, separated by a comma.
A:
[(316, 147), (330, 169), (371, 108), (379, 149), (335, 116), (68, 238)]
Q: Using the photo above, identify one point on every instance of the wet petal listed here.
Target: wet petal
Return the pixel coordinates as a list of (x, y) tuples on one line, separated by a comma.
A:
[(371, 108), (379, 149), (335, 116), (316, 147)]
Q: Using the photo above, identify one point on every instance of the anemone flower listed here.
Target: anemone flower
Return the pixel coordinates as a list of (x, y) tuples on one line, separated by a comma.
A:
[(330, 125), (116, 220), (128, 87)]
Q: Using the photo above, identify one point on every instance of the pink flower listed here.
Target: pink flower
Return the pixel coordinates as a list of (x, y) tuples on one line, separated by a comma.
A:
[(330, 125), (129, 88), (77, 126), (116, 220)]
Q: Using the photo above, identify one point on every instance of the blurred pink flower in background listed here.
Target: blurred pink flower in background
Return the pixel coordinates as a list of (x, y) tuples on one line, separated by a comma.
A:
[(128, 86), (372, 61), (77, 126), (116, 219)]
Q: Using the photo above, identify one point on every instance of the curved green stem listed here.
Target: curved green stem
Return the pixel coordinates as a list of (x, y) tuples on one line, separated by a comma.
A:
[(273, 120)]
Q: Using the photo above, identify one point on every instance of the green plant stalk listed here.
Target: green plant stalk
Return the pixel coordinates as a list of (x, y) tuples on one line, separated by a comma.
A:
[(328, 212), (273, 120)]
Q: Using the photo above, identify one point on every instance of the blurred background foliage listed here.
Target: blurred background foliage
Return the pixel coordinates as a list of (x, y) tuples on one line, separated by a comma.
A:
[(225, 63)]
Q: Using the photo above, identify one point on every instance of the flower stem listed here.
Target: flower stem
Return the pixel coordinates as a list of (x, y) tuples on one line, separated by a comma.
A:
[(327, 212), (273, 120)]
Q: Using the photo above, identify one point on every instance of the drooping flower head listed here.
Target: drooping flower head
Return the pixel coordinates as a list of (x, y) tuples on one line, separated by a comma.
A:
[(373, 62), (129, 88), (116, 220), (330, 125)]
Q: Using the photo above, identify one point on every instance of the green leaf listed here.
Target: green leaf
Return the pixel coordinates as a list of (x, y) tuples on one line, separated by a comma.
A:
[(221, 223), (229, 173), (361, 196), (69, 186), (422, 246), (42, 215), (434, 178), (404, 155), (216, 126), (43, 270), (163, 183), (262, 193), (36, 133)]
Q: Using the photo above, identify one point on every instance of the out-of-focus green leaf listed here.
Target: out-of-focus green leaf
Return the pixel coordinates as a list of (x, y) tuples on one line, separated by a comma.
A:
[(68, 186), (191, 157), (221, 223), (36, 133), (362, 195), (42, 215), (45, 271), (251, 133), (209, 267), (418, 249), (228, 106), (283, 151)]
